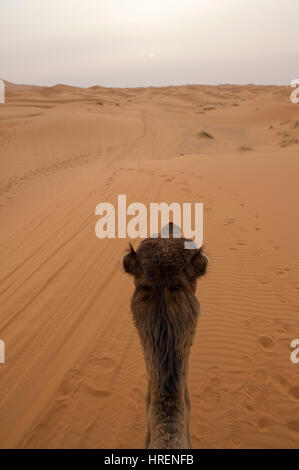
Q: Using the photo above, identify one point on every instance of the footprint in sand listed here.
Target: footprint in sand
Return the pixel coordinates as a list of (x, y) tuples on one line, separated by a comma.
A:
[(282, 300), (237, 429), (262, 375), (103, 362), (252, 389), (137, 395), (93, 391), (280, 272), (258, 322), (294, 392), (281, 382), (215, 382), (214, 370), (229, 221), (262, 279), (39, 436), (209, 398), (256, 399), (71, 382), (58, 414), (211, 394), (266, 343), (201, 431), (264, 423), (293, 428)]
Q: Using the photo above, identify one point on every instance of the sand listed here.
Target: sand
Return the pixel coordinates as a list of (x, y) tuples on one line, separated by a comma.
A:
[(74, 374)]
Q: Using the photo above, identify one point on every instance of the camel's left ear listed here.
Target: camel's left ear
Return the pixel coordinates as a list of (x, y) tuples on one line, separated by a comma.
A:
[(200, 263), (130, 262)]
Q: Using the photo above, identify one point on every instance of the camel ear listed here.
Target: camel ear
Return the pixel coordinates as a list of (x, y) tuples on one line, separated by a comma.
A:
[(130, 262), (200, 263)]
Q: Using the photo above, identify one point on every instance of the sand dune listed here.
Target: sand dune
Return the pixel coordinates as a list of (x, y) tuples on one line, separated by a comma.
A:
[(74, 373)]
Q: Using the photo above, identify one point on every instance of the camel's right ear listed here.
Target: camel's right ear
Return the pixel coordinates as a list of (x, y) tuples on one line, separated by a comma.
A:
[(130, 262), (200, 263)]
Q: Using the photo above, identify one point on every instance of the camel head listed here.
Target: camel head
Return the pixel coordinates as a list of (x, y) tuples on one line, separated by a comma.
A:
[(164, 263), (164, 305)]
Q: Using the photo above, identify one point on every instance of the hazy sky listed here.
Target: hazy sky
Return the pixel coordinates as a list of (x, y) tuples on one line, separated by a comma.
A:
[(149, 42)]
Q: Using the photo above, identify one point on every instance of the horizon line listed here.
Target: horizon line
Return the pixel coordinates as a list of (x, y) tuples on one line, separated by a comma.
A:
[(143, 86)]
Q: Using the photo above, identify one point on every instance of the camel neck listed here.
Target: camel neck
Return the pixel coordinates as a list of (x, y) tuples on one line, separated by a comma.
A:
[(169, 420)]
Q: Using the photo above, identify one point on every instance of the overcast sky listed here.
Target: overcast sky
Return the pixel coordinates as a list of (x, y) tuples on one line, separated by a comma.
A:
[(149, 42)]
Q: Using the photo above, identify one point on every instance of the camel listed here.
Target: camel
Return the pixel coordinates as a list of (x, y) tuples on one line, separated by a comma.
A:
[(165, 311)]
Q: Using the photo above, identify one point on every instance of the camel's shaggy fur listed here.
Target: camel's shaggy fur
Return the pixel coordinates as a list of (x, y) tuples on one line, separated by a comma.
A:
[(165, 312)]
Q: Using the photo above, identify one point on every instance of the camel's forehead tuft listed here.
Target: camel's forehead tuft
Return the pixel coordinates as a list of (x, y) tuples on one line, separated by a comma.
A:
[(163, 256), (162, 248)]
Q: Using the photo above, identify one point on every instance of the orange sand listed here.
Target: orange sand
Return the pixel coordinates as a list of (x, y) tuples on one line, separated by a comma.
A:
[(74, 374)]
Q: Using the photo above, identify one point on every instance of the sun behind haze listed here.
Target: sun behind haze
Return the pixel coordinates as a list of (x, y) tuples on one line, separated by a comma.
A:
[(141, 43)]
